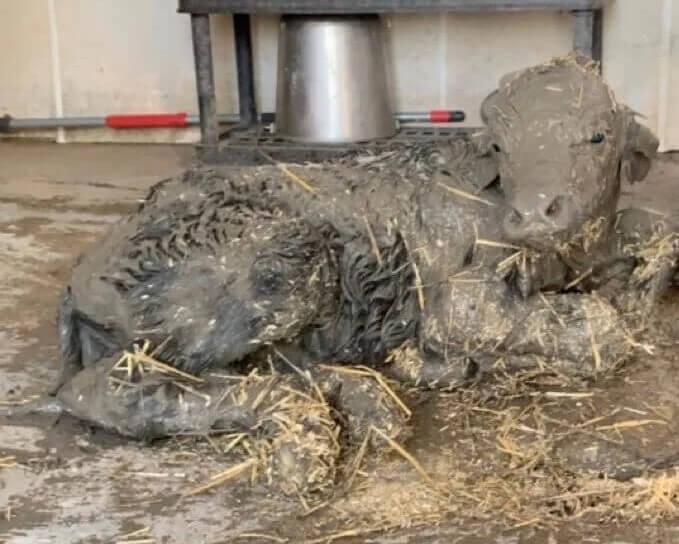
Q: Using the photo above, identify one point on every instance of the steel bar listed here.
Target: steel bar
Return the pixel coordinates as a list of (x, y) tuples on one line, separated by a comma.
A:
[(205, 83), (152, 120), (244, 68), (583, 38), (178, 120), (378, 6)]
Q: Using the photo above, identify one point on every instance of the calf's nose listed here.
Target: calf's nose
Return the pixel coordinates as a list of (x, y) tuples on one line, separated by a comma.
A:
[(542, 217)]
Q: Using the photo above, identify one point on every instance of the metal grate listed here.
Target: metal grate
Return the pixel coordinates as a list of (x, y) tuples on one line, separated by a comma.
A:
[(239, 146)]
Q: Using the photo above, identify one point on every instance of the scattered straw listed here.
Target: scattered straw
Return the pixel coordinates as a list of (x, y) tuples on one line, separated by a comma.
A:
[(239, 437), (366, 371), (305, 375), (132, 361), (294, 443)]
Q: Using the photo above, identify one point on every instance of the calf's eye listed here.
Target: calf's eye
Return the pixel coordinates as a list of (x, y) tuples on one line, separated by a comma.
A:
[(597, 138)]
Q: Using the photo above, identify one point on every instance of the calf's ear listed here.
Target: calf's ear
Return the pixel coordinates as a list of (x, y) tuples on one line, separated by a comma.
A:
[(487, 106), (640, 149)]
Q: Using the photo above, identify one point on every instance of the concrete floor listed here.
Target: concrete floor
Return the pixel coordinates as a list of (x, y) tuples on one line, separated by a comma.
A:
[(72, 484)]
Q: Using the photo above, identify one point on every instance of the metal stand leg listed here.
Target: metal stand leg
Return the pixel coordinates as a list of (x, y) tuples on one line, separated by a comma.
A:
[(584, 32), (597, 36), (205, 82), (246, 80)]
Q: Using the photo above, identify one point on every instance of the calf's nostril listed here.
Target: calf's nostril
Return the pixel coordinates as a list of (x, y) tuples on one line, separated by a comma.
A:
[(513, 218), (555, 207)]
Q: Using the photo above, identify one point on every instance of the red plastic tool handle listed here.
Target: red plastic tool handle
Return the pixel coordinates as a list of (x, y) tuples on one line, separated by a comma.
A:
[(146, 120), (445, 116)]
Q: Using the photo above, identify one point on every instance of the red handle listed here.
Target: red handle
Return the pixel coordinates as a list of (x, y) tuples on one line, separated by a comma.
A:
[(146, 120), (446, 116)]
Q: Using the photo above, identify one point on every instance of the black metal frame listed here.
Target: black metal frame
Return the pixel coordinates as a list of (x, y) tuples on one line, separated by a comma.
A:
[(587, 36)]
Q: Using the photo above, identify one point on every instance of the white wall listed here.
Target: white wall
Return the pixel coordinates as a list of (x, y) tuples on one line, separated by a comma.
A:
[(641, 61), (120, 56), (135, 56)]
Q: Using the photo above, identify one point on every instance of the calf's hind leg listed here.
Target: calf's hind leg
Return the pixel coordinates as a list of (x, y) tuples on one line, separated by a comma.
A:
[(81, 341), (69, 342)]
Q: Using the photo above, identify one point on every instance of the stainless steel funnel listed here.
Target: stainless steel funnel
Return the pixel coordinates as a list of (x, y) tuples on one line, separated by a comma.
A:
[(332, 79)]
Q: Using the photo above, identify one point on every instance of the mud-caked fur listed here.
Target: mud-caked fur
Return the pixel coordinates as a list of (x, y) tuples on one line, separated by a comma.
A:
[(419, 246)]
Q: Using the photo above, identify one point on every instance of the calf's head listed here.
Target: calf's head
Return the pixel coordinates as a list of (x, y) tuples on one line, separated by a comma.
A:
[(562, 144)]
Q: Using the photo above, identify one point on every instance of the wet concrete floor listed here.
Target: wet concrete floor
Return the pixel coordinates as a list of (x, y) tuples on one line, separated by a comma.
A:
[(61, 481)]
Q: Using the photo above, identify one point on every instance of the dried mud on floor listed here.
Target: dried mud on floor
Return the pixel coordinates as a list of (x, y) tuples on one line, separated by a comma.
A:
[(520, 460)]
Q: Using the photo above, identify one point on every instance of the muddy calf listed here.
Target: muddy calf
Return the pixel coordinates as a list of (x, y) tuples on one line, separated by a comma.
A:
[(423, 253)]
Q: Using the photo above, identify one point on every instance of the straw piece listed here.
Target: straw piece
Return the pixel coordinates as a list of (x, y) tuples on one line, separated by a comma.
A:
[(144, 531), (407, 456), (164, 368), (218, 479), (373, 241), (630, 424), (532, 521), (263, 536), (493, 243), (356, 463), (546, 302), (465, 194), (418, 278), (8, 461), (366, 371), (19, 402), (233, 443), (592, 340), (335, 536), (509, 261), (578, 279), (385, 386), (294, 177), (567, 395), (205, 397)]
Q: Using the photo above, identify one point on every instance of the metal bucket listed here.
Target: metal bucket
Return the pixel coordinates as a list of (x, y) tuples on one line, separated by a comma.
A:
[(332, 82)]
